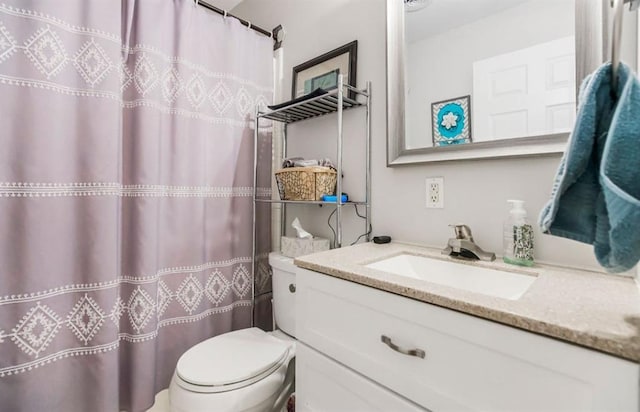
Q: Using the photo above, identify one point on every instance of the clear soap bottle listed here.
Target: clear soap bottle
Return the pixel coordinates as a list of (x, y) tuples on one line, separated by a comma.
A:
[(518, 236)]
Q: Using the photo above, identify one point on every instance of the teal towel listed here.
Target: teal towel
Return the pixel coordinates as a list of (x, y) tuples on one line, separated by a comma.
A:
[(595, 196)]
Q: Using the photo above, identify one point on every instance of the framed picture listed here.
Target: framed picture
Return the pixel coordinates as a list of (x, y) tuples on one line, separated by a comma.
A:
[(323, 71), (451, 121)]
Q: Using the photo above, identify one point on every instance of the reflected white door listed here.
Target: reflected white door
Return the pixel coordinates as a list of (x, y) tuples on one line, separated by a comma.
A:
[(528, 92)]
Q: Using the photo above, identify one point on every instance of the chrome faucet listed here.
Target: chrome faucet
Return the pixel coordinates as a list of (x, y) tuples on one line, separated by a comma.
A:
[(463, 246)]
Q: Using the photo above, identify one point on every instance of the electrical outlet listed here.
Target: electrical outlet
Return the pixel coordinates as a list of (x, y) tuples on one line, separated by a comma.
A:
[(435, 193)]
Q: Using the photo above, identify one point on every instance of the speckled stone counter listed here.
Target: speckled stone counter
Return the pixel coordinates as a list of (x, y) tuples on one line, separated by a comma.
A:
[(590, 309)]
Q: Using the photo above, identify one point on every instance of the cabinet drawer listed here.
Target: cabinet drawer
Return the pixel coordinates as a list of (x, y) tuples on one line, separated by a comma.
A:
[(322, 385), (470, 364)]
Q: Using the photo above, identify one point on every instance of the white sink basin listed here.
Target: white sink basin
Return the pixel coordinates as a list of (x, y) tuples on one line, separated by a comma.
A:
[(492, 282)]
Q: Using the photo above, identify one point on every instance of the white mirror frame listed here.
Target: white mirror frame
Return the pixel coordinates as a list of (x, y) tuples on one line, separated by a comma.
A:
[(590, 53)]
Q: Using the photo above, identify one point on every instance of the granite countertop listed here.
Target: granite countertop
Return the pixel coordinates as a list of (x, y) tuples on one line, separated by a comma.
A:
[(590, 309)]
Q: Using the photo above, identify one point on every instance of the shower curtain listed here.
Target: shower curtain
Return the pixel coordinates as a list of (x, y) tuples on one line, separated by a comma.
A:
[(126, 183)]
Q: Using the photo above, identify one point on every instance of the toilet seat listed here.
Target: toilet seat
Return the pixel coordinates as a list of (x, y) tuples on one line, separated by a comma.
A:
[(231, 361)]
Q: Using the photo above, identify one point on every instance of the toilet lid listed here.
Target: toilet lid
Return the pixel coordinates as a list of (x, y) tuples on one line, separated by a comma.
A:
[(231, 358)]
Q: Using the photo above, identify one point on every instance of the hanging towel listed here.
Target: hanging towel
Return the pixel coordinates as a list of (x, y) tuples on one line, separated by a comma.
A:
[(620, 179), (585, 205)]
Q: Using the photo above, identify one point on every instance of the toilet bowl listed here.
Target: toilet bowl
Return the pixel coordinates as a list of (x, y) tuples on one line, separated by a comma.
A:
[(243, 370)]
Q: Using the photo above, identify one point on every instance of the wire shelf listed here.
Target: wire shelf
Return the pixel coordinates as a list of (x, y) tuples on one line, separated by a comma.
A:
[(315, 107), (308, 202)]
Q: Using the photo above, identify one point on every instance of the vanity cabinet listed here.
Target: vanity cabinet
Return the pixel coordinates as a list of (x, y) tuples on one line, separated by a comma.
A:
[(451, 361)]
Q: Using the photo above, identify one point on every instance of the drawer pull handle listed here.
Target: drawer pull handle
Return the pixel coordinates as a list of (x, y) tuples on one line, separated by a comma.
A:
[(419, 353), (292, 287)]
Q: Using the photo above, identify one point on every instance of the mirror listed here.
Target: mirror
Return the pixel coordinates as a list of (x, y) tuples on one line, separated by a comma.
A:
[(484, 78)]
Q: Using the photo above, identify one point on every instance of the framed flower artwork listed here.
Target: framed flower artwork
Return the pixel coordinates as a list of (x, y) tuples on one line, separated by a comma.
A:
[(451, 121)]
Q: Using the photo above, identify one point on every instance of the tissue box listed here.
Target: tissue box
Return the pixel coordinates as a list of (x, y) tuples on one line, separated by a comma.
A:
[(294, 247)]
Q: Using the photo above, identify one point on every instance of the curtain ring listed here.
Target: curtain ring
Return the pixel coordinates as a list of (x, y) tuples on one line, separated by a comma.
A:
[(249, 26), (224, 14), (616, 36)]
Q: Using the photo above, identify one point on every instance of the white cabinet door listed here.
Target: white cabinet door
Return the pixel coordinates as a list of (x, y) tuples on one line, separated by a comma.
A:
[(323, 385), (528, 92)]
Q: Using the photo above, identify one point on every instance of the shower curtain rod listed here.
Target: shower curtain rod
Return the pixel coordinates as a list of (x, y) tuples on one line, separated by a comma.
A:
[(226, 14)]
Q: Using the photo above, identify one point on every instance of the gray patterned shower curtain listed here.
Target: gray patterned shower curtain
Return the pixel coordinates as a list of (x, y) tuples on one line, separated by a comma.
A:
[(126, 183)]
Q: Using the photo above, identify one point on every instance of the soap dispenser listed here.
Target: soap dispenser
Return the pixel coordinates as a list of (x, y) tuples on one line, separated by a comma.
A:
[(518, 236)]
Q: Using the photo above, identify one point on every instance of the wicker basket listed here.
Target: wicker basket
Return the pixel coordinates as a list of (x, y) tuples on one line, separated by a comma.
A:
[(306, 183)]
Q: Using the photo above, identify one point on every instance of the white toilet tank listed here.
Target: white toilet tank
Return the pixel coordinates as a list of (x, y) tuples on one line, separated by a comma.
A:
[(284, 283)]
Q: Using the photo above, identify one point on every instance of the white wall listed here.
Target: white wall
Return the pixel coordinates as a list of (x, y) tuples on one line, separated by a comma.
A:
[(455, 51), (475, 191)]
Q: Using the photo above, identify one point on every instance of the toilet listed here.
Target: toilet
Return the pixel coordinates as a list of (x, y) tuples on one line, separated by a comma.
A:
[(243, 370)]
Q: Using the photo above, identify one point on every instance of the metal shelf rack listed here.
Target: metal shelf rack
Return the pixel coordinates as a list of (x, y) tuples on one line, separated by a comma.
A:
[(344, 97)]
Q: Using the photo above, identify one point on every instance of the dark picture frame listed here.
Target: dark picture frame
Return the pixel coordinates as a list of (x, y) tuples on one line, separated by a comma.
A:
[(308, 71)]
